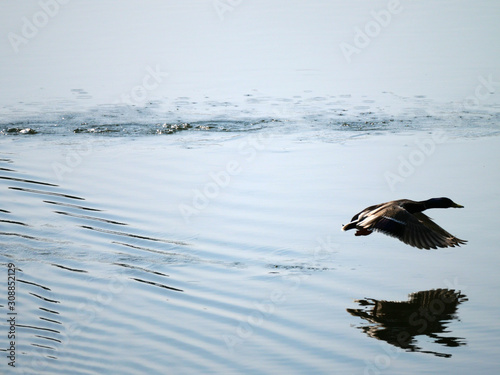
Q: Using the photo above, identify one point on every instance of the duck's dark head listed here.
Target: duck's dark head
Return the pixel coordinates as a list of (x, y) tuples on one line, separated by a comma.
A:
[(441, 203)]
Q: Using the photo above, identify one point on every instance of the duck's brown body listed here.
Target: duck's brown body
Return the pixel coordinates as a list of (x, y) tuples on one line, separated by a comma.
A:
[(404, 220)]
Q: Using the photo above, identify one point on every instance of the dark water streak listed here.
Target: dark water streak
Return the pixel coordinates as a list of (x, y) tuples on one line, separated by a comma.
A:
[(38, 293)]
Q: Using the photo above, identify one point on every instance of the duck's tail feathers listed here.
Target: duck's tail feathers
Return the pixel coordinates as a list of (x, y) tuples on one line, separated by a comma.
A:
[(351, 225)]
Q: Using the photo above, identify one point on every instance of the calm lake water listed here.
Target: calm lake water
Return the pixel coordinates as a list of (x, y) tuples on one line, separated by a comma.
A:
[(174, 177), (201, 250)]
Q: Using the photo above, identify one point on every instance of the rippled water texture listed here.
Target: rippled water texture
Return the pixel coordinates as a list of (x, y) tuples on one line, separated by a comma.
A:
[(330, 117), (174, 176), (222, 253)]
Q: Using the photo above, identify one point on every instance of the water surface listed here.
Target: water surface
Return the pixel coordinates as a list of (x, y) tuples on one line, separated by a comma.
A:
[(174, 177), (199, 252)]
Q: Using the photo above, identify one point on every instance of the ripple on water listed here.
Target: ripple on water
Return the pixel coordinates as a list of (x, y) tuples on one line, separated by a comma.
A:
[(105, 283)]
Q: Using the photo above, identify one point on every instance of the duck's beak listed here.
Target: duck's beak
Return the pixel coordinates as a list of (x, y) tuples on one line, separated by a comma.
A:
[(458, 205)]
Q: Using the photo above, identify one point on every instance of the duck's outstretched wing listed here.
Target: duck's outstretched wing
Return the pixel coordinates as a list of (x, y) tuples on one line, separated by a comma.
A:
[(449, 239), (367, 210), (416, 230), (360, 216)]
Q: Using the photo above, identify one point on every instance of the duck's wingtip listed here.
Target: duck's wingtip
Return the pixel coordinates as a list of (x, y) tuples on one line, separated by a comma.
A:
[(458, 242)]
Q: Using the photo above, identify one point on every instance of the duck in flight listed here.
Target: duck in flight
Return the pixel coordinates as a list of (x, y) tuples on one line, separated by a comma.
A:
[(404, 220)]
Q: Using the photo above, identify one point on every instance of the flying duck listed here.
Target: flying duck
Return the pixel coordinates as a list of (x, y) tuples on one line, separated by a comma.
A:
[(404, 220)]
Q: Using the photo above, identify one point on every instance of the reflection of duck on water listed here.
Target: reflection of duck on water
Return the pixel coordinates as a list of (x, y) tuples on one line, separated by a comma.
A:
[(425, 313)]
